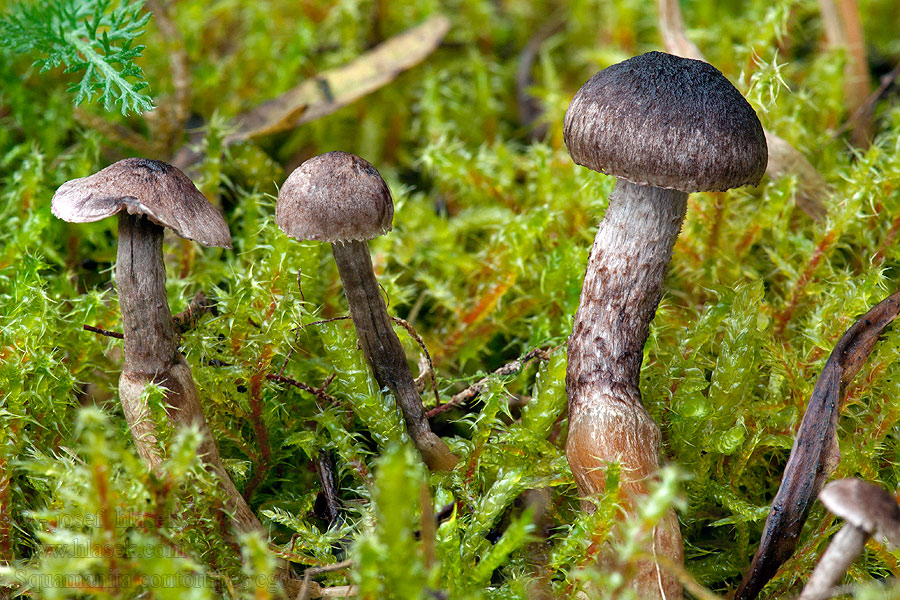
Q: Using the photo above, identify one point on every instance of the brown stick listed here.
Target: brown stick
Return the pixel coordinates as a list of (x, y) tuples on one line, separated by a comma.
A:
[(310, 589), (106, 332), (815, 452), (430, 365), (475, 389), (318, 392)]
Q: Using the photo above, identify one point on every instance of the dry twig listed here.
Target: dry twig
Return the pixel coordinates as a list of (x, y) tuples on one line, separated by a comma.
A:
[(429, 371), (309, 586), (318, 392), (475, 389), (106, 332)]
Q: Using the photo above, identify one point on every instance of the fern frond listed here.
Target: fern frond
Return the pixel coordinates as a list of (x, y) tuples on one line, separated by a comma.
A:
[(94, 37)]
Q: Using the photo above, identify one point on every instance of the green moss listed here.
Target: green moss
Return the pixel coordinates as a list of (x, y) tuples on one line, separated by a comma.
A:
[(490, 240)]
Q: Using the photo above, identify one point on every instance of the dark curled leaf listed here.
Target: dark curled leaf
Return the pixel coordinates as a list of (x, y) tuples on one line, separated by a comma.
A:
[(815, 452)]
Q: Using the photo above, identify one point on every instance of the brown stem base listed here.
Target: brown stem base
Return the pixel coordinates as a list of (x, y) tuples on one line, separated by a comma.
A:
[(184, 410)]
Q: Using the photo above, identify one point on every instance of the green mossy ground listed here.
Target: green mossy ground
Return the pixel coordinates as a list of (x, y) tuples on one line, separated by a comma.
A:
[(491, 235)]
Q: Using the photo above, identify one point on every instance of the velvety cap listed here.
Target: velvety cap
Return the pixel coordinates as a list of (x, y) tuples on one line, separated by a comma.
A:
[(864, 505), (150, 188), (334, 197), (666, 121)]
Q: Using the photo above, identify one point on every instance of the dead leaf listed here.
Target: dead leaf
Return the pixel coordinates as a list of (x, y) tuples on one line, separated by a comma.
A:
[(326, 93), (785, 160), (334, 89), (815, 453)]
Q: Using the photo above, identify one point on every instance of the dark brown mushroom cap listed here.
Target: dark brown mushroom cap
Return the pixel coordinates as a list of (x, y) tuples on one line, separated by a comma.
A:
[(666, 121), (334, 197), (151, 188), (864, 505)]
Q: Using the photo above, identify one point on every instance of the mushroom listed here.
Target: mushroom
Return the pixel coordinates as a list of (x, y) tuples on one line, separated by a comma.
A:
[(149, 195), (868, 510), (340, 198), (665, 126)]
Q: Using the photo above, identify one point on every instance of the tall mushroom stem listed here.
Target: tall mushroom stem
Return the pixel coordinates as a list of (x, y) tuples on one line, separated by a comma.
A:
[(383, 350), (622, 288), (845, 548), (152, 356)]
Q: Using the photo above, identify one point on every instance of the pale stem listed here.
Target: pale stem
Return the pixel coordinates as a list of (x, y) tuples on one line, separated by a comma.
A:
[(845, 548)]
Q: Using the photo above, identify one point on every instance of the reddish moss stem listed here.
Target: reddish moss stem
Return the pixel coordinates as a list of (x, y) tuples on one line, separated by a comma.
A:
[(784, 316)]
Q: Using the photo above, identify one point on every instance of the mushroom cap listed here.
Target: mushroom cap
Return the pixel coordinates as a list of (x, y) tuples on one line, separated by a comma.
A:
[(666, 121), (141, 186), (334, 197), (864, 505)]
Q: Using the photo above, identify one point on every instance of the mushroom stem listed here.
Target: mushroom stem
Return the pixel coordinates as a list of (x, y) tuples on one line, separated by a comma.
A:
[(607, 419), (846, 546), (383, 350), (152, 356), (150, 338), (622, 287)]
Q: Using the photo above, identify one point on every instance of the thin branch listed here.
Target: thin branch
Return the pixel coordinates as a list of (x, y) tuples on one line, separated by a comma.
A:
[(474, 390), (105, 332), (415, 335), (318, 392), (177, 111), (305, 325), (304, 592), (300, 284)]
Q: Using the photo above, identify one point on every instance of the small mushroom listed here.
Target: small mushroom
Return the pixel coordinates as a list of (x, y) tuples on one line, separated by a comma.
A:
[(340, 198), (665, 126), (149, 195), (868, 510)]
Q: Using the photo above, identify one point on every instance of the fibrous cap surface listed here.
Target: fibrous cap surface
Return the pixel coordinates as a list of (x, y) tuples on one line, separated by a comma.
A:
[(140, 186), (666, 121), (334, 197)]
